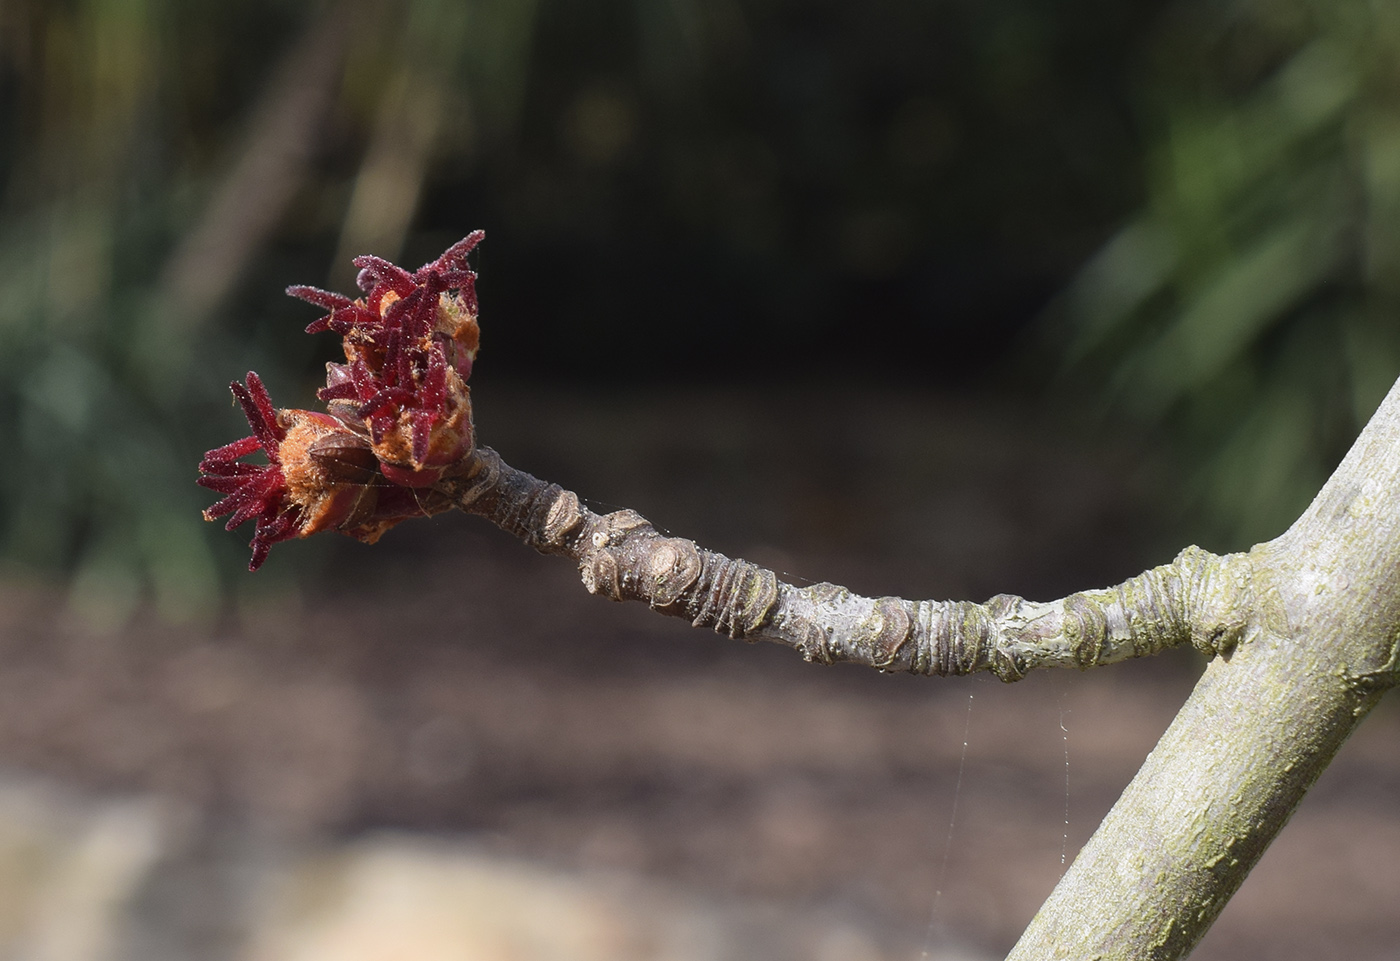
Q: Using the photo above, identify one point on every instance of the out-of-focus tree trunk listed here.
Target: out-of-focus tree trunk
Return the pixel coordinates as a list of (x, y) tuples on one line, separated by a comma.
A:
[(1257, 731)]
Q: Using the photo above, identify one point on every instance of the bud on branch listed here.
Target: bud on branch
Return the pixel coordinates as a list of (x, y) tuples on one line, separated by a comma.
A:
[(1308, 620), (397, 441), (399, 414)]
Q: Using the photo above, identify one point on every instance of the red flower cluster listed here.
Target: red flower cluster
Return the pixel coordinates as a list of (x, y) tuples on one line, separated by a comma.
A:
[(399, 420)]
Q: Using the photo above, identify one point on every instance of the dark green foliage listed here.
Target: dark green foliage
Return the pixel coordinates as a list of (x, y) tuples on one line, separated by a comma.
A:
[(1253, 305)]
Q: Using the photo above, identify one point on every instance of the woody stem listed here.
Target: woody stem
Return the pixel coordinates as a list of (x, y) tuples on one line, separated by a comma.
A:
[(1200, 598)]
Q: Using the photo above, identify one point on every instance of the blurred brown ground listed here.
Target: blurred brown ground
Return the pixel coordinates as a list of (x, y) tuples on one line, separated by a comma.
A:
[(450, 682)]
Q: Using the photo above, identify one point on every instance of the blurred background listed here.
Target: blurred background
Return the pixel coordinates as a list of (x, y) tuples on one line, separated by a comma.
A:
[(939, 299)]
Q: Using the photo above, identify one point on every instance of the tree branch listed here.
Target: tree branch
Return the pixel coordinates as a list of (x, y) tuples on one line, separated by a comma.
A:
[(1199, 599), (1307, 626), (1321, 646)]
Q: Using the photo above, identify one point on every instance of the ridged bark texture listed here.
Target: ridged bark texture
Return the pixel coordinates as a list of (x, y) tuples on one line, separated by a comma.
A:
[(1197, 599), (1304, 631)]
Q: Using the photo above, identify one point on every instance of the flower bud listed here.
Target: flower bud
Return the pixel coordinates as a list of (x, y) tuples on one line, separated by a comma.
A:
[(320, 476), (409, 347)]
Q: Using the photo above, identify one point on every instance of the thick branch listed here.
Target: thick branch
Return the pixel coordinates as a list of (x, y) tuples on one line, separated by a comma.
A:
[(1320, 649), (1197, 599), (1309, 626)]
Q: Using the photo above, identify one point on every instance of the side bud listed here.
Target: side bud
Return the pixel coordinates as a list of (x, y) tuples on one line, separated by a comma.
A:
[(319, 476)]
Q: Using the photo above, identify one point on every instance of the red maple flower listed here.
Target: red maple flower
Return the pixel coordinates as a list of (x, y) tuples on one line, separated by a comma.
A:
[(400, 415), (409, 346), (320, 475), (252, 490)]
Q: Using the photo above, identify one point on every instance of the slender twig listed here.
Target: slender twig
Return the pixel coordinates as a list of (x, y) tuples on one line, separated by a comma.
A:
[(1307, 626), (1199, 598)]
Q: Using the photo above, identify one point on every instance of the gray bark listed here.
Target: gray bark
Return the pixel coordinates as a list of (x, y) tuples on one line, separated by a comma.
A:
[(1304, 630), (1320, 648), (1196, 599)]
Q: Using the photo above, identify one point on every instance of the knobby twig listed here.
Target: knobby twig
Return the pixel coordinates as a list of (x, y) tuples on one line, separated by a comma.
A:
[(1304, 631), (1197, 599)]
